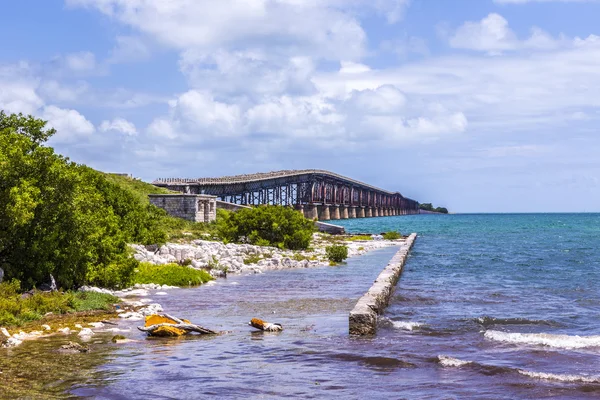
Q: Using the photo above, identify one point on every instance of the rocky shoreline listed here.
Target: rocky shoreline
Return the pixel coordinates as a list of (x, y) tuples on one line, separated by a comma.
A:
[(219, 258)]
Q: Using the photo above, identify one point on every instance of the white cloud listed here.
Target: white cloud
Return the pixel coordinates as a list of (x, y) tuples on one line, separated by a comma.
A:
[(287, 27), (55, 91), (247, 72), (18, 89), (493, 35), (119, 125), (69, 124), (80, 62), (349, 67)]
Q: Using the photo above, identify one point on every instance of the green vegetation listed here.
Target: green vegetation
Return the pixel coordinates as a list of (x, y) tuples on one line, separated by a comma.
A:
[(392, 235), (429, 207), (302, 257), (336, 253), (278, 226), (62, 218), (170, 274), (359, 238), (16, 310), (252, 259)]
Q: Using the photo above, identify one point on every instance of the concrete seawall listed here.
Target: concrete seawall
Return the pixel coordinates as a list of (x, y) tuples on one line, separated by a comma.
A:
[(363, 317)]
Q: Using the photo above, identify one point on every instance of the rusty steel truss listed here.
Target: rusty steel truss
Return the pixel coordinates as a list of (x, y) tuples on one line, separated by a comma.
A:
[(319, 194)]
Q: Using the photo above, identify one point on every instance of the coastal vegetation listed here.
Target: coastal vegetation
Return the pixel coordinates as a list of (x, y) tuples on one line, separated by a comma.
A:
[(170, 274), (17, 309), (429, 207), (68, 221), (276, 226), (336, 253), (392, 235)]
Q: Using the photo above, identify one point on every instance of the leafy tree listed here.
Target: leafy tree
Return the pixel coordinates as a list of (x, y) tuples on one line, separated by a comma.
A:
[(426, 206), (278, 226), (64, 219)]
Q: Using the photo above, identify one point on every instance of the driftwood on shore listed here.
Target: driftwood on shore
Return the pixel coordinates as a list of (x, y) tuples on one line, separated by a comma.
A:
[(166, 325)]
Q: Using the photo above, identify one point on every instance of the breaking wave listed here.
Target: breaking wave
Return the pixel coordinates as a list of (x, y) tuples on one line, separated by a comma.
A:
[(489, 321), (407, 325), (446, 361), (452, 362), (545, 339)]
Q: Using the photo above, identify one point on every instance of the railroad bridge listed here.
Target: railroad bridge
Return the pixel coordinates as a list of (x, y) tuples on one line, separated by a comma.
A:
[(317, 194)]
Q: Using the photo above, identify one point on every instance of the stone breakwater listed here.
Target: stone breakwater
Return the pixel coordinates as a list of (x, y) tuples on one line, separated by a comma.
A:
[(363, 318), (218, 257)]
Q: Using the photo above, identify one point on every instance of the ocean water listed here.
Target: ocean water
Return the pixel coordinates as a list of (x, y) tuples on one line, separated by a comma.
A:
[(488, 307)]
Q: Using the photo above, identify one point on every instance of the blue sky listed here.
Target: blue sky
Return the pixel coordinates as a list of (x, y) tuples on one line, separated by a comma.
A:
[(477, 105)]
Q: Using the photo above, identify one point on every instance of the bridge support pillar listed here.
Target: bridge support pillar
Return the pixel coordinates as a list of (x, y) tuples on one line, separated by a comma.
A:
[(368, 212), (334, 212), (375, 212), (384, 211), (344, 212), (360, 212), (311, 211), (352, 212), (324, 213)]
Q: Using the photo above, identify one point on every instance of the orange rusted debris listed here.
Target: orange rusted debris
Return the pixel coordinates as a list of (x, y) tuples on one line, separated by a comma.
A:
[(264, 325), (164, 325)]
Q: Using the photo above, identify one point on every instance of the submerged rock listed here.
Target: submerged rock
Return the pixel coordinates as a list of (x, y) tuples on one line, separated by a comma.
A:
[(73, 347)]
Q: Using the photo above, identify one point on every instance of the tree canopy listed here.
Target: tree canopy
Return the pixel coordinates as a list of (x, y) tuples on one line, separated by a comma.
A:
[(61, 218)]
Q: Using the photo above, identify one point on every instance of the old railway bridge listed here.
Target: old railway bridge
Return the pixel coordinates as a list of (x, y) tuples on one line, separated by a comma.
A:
[(318, 194)]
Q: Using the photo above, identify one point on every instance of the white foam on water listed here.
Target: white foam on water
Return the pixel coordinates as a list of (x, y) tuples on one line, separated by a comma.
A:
[(545, 339), (560, 377), (452, 362), (407, 325)]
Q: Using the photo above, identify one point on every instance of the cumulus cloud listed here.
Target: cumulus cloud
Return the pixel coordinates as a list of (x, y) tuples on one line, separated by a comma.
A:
[(289, 27), (493, 35), (70, 124), (120, 125)]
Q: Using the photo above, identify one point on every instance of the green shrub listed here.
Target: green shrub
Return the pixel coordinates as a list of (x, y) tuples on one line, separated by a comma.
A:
[(63, 219), (277, 226), (170, 274), (16, 311), (336, 253), (392, 235), (252, 259)]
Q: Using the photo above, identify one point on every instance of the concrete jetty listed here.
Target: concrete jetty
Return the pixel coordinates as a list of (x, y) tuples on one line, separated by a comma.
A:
[(363, 317)]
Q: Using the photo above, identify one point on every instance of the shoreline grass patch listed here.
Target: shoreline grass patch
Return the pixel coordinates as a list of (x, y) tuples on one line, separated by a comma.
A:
[(170, 274), (392, 235), (18, 309)]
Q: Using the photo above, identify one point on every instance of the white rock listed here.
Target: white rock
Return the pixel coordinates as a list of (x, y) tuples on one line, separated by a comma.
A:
[(12, 342), (4, 332), (150, 309), (161, 293), (65, 331), (131, 315), (78, 326), (96, 324), (86, 332), (46, 327)]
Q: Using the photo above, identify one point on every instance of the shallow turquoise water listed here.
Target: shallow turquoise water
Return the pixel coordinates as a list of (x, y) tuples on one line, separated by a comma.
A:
[(488, 307)]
